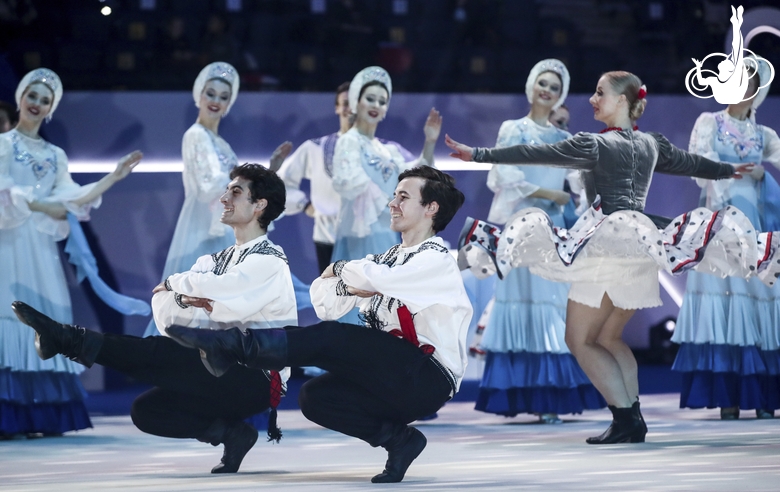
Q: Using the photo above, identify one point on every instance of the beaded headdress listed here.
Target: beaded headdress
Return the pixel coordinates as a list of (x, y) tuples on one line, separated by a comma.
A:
[(221, 71), (45, 77), (548, 65), (368, 74)]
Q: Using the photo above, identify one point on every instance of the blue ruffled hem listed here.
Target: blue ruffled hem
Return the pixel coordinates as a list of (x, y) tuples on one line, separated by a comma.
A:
[(39, 387), (527, 382), (717, 390), (720, 358), (532, 370), (771, 359), (44, 418), (539, 400)]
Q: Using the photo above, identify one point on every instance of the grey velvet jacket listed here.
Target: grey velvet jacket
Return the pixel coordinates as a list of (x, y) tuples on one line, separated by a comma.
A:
[(617, 165)]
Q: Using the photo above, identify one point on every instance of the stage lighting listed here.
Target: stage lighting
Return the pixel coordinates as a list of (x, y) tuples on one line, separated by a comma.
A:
[(662, 349), (105, 10)]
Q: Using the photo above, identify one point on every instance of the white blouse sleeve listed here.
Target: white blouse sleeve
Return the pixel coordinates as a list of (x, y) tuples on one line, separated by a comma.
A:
[(330, 299), (202, 163), (244, 289), (508, 179), (771, 147), (507, 183), (292, 172), (420, 283), (65, 191), (167, 312), (349, 178), (701, 143), (14, 199)]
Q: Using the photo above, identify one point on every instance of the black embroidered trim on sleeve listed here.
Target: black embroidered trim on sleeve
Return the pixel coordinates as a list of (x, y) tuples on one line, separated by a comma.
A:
[(168, 284), (177, 298), (338, 267), (341, 289)]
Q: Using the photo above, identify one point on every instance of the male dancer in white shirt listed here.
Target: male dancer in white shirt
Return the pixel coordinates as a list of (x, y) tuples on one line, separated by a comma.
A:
[(313, 160), (408, 360), (247, 285)]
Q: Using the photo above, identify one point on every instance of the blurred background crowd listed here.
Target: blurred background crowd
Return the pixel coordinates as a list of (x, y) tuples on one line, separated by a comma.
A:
[(313, 45)]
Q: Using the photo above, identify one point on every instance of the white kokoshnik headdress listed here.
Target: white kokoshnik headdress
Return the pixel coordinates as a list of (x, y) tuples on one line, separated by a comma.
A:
[(765, 73), (548, 65), (221, 71), (368, 74), (43, 76)]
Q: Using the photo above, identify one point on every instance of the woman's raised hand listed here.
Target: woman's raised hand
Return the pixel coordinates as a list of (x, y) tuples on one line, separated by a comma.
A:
[(432, 127), (462, 152), (127, 164)]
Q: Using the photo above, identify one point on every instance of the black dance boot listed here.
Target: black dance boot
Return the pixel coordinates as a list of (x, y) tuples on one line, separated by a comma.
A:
[(638, 415), (626, 427), (405, 444), (52, 338), (222, 349), (238, 438)]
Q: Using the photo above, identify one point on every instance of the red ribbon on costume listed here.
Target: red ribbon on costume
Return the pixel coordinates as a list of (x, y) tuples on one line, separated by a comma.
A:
[(274, 432), (408, 332)]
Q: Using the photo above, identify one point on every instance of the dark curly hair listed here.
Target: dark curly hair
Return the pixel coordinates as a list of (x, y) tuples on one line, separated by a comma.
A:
[(263, 183), (439, 187)]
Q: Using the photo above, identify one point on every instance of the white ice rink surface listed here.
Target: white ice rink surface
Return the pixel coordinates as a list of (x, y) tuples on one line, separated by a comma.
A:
[(686, 450)]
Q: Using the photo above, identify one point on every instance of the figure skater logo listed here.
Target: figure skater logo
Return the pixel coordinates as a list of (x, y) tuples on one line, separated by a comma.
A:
[(730, 84)]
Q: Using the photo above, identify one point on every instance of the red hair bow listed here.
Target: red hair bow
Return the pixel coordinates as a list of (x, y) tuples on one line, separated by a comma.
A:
[(642, 93)]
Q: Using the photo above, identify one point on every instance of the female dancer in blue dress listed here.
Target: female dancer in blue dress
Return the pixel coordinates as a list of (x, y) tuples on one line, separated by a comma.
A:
[(365, 170), (528, 367), (729, 328), (36, 194), (613, 253), (208, 160)]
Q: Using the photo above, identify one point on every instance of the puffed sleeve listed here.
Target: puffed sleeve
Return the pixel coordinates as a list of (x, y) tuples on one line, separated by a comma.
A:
[(771, 147), (292, 172), (349, 178), (14, 199), (65, 191), (243, 290), (672, 160), (168, 311), (578, 152), (201, 162), (703, 137), (420, 283), (508, 177), (330, 298)]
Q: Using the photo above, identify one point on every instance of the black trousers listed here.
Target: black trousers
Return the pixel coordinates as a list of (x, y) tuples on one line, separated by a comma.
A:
[(324, 252), (186, 399), (375, 381)]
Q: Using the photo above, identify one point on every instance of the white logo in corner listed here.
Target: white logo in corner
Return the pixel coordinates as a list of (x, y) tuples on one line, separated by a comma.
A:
[(730, 84)]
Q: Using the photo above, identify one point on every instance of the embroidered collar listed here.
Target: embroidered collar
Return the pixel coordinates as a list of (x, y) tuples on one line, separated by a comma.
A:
[(616, 129)]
